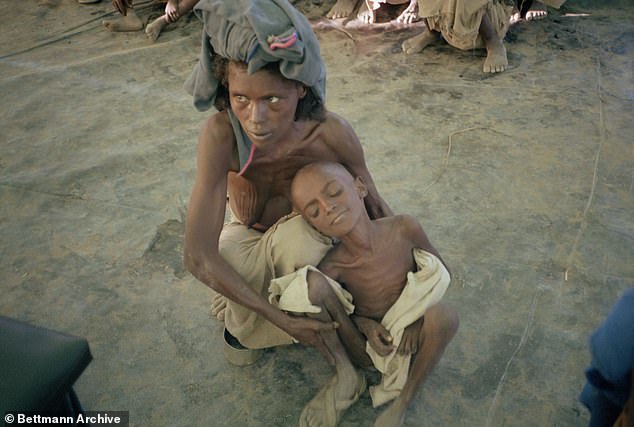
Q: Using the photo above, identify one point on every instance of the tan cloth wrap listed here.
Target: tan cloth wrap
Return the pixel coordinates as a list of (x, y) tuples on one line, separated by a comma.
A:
[(259, 257), (424, 288), (290, 292), (459, 20)]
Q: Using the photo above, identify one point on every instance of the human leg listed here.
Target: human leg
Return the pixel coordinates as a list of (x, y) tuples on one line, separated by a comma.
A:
[(260, 257), (440, 324), (129, 22), (154, 28), (342, 9), (347, 384), (421, 41), (496, 60)]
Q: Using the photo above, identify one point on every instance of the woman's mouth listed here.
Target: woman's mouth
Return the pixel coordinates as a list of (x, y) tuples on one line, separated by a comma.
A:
[(260, 136)]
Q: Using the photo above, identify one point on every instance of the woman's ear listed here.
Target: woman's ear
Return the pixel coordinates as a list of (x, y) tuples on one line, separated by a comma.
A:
[(303, 91), (362, 190)]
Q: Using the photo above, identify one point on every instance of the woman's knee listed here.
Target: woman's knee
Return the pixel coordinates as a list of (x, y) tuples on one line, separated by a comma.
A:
[(443, 318)]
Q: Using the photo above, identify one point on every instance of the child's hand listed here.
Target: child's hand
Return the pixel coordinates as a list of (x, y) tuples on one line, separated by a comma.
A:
[(409, 342), (171, 11), (376, 334)]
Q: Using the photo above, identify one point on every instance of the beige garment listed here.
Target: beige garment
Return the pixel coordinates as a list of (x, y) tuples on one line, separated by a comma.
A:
[(424, 288), (290, 292), (459, 20), (259, 257)]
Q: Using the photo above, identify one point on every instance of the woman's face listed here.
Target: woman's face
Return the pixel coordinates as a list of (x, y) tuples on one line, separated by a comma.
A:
[(263, 102)]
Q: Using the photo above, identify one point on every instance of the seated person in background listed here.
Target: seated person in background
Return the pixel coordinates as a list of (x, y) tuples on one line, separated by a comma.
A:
[(366, 14), (530, 12), (465, 25), (130, 21), (390, 271), (609, 391)]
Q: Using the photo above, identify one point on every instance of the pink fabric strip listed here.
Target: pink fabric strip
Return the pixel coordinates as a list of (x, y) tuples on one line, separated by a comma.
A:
[(246, 165)]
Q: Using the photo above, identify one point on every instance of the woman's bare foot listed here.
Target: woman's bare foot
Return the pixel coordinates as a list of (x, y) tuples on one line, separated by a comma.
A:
[(392, 416), (154, 28), (496, 60), (342, 9), (419, 42), (130, 22), (218, 306)]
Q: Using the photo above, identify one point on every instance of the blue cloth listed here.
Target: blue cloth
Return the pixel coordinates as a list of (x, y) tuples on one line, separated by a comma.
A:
[(609, 375)]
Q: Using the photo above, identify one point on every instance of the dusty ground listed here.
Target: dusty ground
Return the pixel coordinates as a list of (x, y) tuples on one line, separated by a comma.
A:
[(524, 181)]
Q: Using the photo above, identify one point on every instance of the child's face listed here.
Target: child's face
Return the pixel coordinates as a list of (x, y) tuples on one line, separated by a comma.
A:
[(329, 198)]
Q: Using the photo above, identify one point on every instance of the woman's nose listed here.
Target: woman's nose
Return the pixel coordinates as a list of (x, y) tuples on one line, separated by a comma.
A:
[(258, 112)]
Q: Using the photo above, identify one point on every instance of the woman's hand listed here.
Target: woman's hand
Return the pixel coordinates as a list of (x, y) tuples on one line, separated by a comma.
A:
[(171, 11), (308, 332)]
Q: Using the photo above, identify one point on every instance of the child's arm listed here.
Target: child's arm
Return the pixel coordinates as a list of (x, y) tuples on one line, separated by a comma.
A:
[(378, 337)]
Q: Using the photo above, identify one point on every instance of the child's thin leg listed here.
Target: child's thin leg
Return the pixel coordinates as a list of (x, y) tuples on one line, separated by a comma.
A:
[(421, 41), (347, 380), (154, 28), (495, 61), (439, 326)]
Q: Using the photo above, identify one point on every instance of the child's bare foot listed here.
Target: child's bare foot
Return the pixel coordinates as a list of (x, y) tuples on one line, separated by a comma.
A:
[(342, 9), (496, 60), (392, 416), (366, 12), (327, 407), (154, 28), (410, 14), (130, 22), (419, 42)]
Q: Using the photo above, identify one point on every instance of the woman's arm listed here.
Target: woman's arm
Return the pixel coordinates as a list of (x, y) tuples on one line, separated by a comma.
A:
[(344, 141), (204, 222)]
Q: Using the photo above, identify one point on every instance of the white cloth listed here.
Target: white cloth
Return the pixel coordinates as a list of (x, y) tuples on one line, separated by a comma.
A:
[(290, 292), (424, 288)]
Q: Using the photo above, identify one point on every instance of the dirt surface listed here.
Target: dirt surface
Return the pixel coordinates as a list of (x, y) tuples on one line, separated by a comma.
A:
[(524, 182)]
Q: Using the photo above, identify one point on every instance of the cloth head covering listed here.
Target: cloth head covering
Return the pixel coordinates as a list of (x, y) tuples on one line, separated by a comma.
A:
[(255, 32)]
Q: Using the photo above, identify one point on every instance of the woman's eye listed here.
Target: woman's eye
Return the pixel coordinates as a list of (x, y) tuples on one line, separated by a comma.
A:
[(241, 98), (336, 192), (313, 213)]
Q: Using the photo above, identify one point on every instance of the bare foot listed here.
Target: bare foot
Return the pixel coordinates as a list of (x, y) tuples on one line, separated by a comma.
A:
[(366, 14), (537, 11), (130, 22), (342, 9), (343, 390), (410, 14), (218, 306), (419, 42), (154, 28), (496, 60), (392, 416)]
